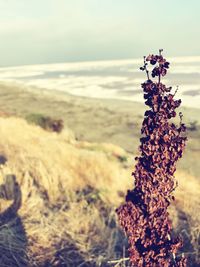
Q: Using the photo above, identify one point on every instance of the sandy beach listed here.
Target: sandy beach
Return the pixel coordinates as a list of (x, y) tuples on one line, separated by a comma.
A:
[(109, 79)]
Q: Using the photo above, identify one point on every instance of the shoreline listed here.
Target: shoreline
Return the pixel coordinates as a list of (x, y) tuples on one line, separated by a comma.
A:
[(190, 98), (108, 79)]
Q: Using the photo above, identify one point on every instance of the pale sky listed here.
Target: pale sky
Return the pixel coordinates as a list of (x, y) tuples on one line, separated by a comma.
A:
[(48, 31)]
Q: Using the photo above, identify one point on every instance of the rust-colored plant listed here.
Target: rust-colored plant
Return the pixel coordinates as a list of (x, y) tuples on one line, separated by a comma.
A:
[(144, 216)]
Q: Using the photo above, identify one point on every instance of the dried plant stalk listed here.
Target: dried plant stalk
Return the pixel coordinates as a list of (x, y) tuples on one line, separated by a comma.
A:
[(144, 216)]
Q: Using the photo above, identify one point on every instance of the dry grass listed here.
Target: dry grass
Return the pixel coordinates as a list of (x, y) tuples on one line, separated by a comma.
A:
[(64, 184), (70, 190), (187, 216)]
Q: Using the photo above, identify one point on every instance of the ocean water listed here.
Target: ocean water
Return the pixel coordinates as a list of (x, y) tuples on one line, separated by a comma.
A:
[(116, 79)]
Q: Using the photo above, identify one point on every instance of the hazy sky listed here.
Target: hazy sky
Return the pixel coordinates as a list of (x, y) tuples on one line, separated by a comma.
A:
[(45, 31)]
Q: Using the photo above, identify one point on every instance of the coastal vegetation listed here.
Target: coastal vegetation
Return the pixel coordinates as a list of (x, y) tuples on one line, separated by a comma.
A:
[(144, 216), (72, 182), (46, 122)]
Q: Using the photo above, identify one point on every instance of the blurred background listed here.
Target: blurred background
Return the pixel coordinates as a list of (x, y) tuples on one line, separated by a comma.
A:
[(71, 109)]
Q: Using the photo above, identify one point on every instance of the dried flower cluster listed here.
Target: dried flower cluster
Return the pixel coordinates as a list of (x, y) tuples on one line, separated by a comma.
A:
[(144, 216)]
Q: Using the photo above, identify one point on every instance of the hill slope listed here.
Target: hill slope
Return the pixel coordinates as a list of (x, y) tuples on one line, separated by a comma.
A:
[(70, 190)]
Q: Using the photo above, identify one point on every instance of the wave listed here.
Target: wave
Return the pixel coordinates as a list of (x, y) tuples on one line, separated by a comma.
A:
[(119, 79)]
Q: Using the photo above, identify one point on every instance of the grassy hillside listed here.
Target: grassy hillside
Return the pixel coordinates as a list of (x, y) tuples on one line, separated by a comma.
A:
[(70, 190), (97, 120)]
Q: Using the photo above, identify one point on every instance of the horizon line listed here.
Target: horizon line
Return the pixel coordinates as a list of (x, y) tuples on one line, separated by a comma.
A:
[(136, 60)]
